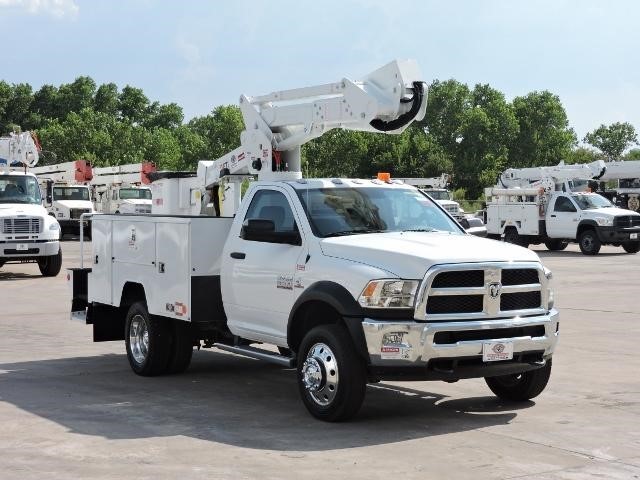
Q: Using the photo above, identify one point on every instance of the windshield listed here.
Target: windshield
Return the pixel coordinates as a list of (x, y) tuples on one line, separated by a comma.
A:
[(70, 193), (438, 194), (19, 189), (346, 211), (587, 202), (135, 194)]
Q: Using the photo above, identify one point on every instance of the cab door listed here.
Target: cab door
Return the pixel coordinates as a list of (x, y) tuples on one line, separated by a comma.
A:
[(258, 276), (563, 218)]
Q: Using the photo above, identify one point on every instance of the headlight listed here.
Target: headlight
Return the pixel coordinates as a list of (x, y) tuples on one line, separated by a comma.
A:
[(550, 297), (54, 226), (389, 294), (604, 222)]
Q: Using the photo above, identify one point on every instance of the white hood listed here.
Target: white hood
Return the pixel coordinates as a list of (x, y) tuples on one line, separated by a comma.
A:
[(136, 201), (29, 209), (75, 204), (411, 254), (610, 211)]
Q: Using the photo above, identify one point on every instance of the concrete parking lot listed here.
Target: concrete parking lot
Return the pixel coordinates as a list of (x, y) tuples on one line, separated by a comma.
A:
[(72, 409)]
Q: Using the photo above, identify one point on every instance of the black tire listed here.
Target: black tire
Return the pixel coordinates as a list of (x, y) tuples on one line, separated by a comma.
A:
[(512, 236), (154, 360), (50, 266), (556, 245), (181, 347), (344, 394), (520, 387), (631, 247), (589, 242)]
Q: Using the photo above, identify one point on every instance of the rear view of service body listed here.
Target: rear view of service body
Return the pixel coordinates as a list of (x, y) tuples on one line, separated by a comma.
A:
[(350, 281), (28, 234)]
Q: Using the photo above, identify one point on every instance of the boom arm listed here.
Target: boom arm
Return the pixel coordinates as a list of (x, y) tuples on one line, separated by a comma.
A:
[(278, 124), (530, 177), (19, 148), (621, 170), (68, 172)]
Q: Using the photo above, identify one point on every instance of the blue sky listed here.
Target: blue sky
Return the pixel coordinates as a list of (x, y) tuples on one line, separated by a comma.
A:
[(200, 54)]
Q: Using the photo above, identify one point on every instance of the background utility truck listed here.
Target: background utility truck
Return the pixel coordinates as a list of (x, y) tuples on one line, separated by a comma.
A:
[(66, 193), (123, 188), (544, 205), (353, 281), (28, 234)]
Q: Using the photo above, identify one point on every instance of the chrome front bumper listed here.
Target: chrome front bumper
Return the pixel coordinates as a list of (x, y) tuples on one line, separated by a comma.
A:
[(10, 250), (412, 344)]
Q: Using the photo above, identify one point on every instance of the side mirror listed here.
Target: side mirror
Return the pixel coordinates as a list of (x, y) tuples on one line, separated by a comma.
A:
[(259, 230), (49, 195)]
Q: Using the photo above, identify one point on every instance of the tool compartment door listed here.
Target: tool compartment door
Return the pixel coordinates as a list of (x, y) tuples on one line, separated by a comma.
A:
[(171, 296), (99, 288)]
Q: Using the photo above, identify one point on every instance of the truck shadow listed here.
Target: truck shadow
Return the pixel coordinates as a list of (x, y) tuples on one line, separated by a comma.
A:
[(547, 253), (228, 399), (4, 275)]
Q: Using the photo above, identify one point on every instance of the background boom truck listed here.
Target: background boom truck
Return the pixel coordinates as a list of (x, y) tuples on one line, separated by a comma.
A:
[(67, 194), (626, 176), (552, 205), (28, 234), (123, 188), (353, 280)]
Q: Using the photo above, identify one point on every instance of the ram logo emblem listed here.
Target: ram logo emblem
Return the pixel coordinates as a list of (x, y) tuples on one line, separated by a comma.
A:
[(494, 289)]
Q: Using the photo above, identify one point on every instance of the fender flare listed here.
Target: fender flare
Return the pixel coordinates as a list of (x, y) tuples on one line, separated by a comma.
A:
[(339, 298)]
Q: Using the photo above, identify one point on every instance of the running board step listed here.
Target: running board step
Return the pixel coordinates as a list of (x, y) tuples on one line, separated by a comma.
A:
[(253, 352)]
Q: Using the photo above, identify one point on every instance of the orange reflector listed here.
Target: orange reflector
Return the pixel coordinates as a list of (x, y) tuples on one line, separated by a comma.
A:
[(370, 289), (385, 177)]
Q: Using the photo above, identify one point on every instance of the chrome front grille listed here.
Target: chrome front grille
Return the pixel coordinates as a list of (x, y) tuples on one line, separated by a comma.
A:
[(76, 212), (498, 290), (21, 225)]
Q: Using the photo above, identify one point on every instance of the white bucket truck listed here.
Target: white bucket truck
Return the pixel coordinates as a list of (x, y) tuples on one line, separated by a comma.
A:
[(552, 205), (123, 188), (28, 234), (354, 281), (66, 193)]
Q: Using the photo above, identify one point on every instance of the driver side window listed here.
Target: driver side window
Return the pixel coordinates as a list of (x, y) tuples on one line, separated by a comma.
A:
[(272, 205), (563, 204)]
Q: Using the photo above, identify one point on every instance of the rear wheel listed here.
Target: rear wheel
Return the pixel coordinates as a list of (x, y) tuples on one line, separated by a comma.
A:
[(589, 242), (521, 386), (631, 247), (556, 245), (512, 236), (50, 265), (148, 341), (331, 376)]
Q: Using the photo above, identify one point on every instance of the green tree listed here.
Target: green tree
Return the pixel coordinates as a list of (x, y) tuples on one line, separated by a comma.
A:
[(73, 97), (163, 149), (167, 116), (634, 154), (220, 129), (6, 92), (612, 140), (544, 136), (582, 155), (45, 105), (192, 147), (133, 104), (18, 109), (106, 99)]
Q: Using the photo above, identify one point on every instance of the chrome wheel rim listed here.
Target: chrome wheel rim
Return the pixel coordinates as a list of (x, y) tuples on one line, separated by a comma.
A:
[(139, 338), (320, 374)]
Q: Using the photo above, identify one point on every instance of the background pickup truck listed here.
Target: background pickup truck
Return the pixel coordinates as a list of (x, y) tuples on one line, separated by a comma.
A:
[(349, 281)]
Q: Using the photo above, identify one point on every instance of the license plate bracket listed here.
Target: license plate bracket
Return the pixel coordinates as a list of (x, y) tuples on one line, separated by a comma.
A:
[(22, 247), (497, 351), (633, 236)]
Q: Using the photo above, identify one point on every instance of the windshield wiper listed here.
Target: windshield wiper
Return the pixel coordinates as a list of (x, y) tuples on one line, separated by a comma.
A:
[(353, 232)]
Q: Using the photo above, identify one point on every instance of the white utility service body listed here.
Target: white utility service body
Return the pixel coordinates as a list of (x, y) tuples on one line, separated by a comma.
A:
[(123, 188), (548, 211), (27, 233), (354, 281)]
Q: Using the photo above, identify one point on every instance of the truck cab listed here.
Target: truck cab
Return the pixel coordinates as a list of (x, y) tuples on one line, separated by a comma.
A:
[(29, 234), (125, 199), (67, 202)]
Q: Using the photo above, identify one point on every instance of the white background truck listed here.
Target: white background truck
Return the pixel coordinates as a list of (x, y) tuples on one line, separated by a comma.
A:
[(354, 281), (28, 233), (548, 211), (123, 188), (66, 193)]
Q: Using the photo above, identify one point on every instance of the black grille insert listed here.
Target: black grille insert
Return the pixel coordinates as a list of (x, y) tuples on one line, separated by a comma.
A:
[(627, 221), (520, 300), (459, 279), (13, 251), (455, 304), (519, 276), (445, 338)]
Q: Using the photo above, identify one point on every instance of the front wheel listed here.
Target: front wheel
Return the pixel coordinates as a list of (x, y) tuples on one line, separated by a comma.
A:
[(589, 242), (631, 247), (556, 245), (520, 387), (148, 341), (50, 265), (331, 376)]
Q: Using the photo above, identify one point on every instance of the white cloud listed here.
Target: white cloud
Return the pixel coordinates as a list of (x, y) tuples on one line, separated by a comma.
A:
[(55, 8)]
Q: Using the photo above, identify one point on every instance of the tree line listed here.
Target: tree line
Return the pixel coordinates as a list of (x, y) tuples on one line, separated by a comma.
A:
[(473, 133)]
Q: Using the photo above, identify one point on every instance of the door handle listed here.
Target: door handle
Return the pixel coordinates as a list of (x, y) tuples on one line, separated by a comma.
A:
[(553, 216), (238, 255)]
